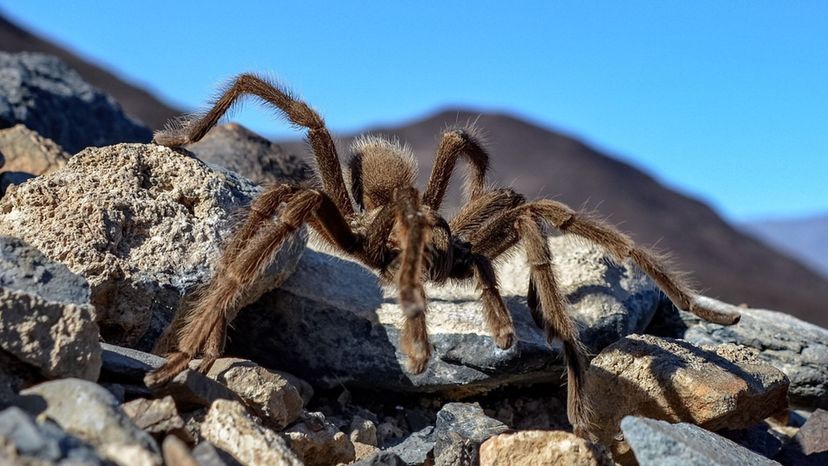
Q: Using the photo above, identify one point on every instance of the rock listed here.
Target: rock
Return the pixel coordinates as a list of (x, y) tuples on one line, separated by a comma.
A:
[(158, 418), (363, 451), (46, 95), (318, 442), (383, 458), (759, 438), (270, 395), (810, 446), (91, 413), (541, 448), (206, 454), (61, 340), (191, 389), (143, 224), (127, 365), (24, 268), (28, 441), (726, 387), (415, 449), (26, 151), (363, 431), (658, 443), (15, 375), (176, 452), (347, 332), (797, 348), (229, 427), (9, 179), (129, 455), (236, 148), (459, 431)]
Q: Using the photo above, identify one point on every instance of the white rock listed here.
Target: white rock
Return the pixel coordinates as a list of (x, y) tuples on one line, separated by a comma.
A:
[(229, 427)]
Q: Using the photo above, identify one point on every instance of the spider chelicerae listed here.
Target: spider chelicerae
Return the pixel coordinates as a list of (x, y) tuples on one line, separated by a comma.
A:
[(379, 218)]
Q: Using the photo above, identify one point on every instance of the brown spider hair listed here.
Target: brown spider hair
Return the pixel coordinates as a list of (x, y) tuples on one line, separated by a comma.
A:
[(399, 233)]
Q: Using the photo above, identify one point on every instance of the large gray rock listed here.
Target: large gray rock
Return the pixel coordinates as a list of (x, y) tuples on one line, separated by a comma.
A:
[(143, 224), (331, 323), (89, 412), (236, 148), (722, 387), (796, 347), (658, 443), (45, 94)]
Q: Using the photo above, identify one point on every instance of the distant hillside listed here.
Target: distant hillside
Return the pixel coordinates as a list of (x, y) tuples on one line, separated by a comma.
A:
[(542, 163), (135, 101), (804, 239)]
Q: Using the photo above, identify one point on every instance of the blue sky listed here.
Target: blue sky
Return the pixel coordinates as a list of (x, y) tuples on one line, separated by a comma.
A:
[(725, 101)]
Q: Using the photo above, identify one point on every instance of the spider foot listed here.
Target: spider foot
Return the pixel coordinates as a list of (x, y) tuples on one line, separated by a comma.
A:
[(207, 363), (176, 363), (170, 139), (418, 355), (416, 365), (504, 338)]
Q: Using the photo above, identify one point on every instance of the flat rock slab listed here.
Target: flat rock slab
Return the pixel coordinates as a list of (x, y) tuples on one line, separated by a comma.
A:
[(189, 389), (659, 443), (331, 323), (797, 348), (143, 224), (42, 92), (723, 387)]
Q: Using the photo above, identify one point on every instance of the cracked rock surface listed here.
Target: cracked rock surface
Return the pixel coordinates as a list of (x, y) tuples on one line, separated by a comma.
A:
[(143, 224), (797, 348)]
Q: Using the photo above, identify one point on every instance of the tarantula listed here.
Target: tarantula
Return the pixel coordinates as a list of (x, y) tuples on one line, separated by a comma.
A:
[(383, 221)]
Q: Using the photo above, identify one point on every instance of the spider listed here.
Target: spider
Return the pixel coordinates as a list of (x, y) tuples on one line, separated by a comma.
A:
[(380, 219)]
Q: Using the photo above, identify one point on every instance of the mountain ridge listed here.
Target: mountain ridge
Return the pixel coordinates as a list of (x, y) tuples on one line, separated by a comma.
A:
[(540, 162)]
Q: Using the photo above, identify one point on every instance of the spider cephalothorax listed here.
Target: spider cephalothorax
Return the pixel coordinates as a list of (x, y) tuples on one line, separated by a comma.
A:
[(383, 221)]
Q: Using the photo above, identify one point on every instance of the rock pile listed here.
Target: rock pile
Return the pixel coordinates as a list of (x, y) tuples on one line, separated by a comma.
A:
[(100, 250)]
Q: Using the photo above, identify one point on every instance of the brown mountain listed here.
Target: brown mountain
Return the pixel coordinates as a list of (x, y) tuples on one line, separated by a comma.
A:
[(724, 262), (134, 100)]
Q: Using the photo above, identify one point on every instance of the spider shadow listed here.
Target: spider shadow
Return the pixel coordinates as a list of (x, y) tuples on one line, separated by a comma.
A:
[(323, 324)]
